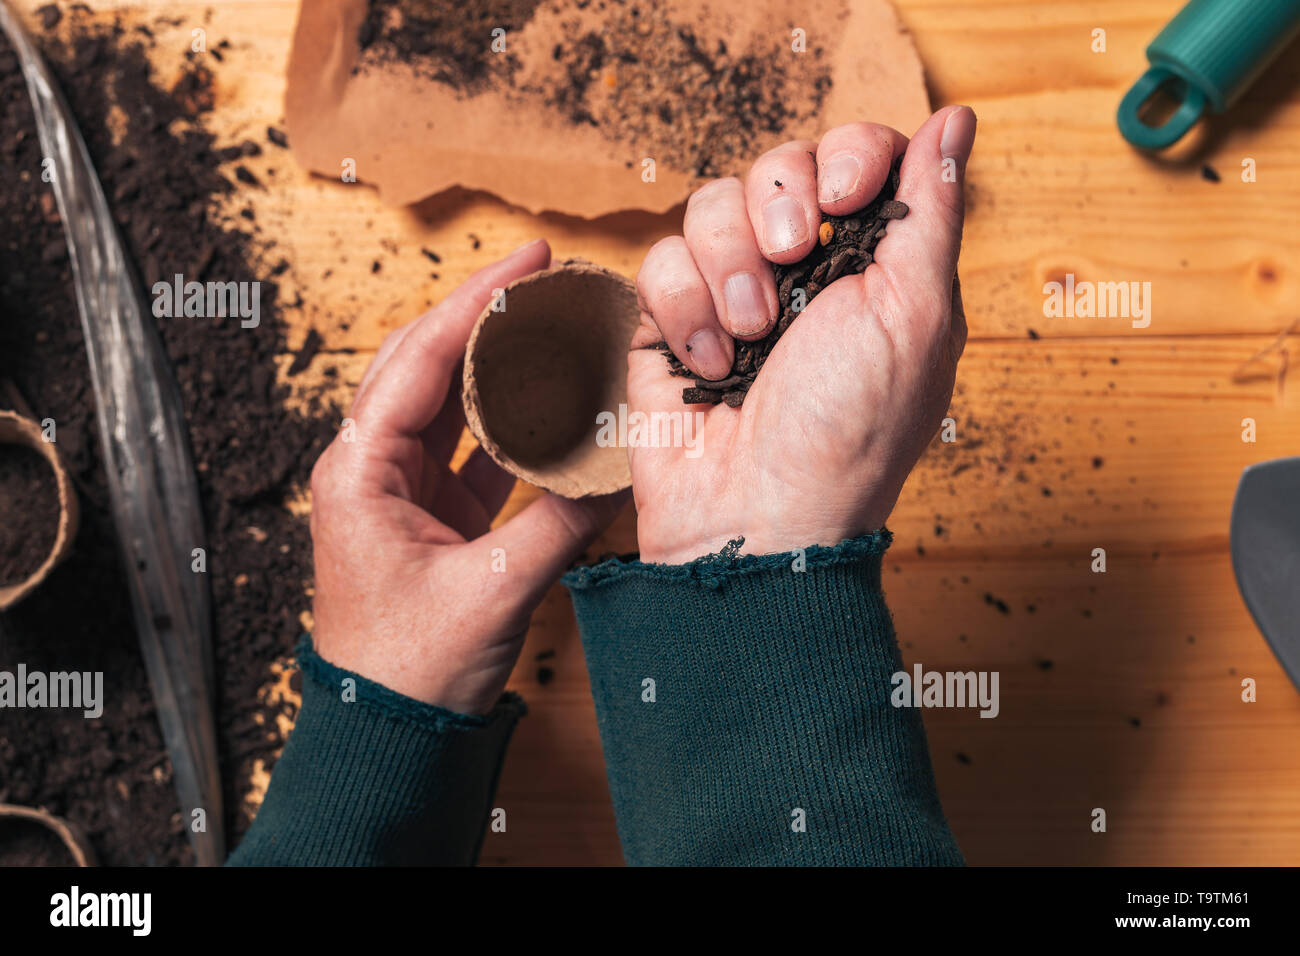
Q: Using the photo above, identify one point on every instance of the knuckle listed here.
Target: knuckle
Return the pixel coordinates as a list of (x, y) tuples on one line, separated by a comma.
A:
[(723, 233), (792, 147), (661, 255), (668, 276), (713, 191), (322, 480), (666, 246), (848, 136), (675, 294), (774, 157), (858, 128)]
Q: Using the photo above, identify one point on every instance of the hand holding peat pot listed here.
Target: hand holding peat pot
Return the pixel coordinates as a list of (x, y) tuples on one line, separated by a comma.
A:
[(852, 392), (410, 589)]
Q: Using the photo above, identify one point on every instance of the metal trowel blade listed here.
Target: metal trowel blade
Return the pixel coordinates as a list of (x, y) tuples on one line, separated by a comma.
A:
[(1266, 554)]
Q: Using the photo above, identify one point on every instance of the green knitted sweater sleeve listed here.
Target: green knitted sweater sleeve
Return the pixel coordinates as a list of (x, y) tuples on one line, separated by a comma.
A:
[(744, 710), (370, 777)]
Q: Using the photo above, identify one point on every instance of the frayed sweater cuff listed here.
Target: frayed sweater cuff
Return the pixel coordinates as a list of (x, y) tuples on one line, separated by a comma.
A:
[(744, 708), (370, 777)]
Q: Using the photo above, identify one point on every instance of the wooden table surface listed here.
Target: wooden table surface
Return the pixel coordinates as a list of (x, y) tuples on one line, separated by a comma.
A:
[(1119, 690)]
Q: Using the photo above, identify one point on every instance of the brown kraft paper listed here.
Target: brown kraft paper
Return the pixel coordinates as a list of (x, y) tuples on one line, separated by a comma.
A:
[(619, 105)]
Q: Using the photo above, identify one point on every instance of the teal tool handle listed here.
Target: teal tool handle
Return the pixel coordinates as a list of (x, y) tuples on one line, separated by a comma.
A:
[(1208, 54)]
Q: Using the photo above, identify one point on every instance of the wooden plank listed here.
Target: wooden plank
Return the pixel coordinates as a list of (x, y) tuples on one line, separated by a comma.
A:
[(1176, 789), (1203, 778), (1053, 188), (1135, 443), (1135, 709)]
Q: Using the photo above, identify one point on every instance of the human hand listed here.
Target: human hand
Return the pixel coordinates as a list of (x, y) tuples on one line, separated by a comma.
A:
[(857, 385), (408, 591)]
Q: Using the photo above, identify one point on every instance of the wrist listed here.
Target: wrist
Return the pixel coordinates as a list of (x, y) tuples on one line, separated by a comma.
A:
[(428, 675), (757, 540)]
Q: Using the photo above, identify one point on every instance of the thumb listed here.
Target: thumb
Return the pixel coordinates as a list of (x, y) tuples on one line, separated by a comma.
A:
[(650, 386), (921, 249), (528, 553)]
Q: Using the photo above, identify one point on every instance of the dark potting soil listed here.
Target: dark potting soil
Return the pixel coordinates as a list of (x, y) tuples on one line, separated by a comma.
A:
[(28, 843), (306, 352), (625, 67), (162, 173), (846, 246), (688, 99), (49, 15), (29, 512), (447, 41)]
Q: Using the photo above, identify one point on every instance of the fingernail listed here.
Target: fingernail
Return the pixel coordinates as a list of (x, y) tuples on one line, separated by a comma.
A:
[(958, 134), (784, 223), (747, 311), (838, 177), (710, 356)]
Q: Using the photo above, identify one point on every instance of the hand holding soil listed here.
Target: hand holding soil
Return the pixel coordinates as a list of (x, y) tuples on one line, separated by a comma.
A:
[(854, 389), (411, 589)]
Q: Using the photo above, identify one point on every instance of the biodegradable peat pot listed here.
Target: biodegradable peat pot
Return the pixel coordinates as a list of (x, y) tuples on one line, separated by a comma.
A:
[(16, 429), (70, 835), (540, 370)]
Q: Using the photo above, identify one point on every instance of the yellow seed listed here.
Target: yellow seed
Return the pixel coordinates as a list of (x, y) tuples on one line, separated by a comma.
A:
[(611, 80), (826, 233)]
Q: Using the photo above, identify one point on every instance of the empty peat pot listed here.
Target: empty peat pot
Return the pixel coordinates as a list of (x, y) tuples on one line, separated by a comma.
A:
[(541, 365), (33, 836), (21, 431)]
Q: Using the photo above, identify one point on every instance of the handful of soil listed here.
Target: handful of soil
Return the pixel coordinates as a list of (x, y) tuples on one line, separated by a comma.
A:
[(846, 246)]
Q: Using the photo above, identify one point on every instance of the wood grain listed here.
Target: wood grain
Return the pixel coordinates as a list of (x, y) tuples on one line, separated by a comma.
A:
[(1119, 690)]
